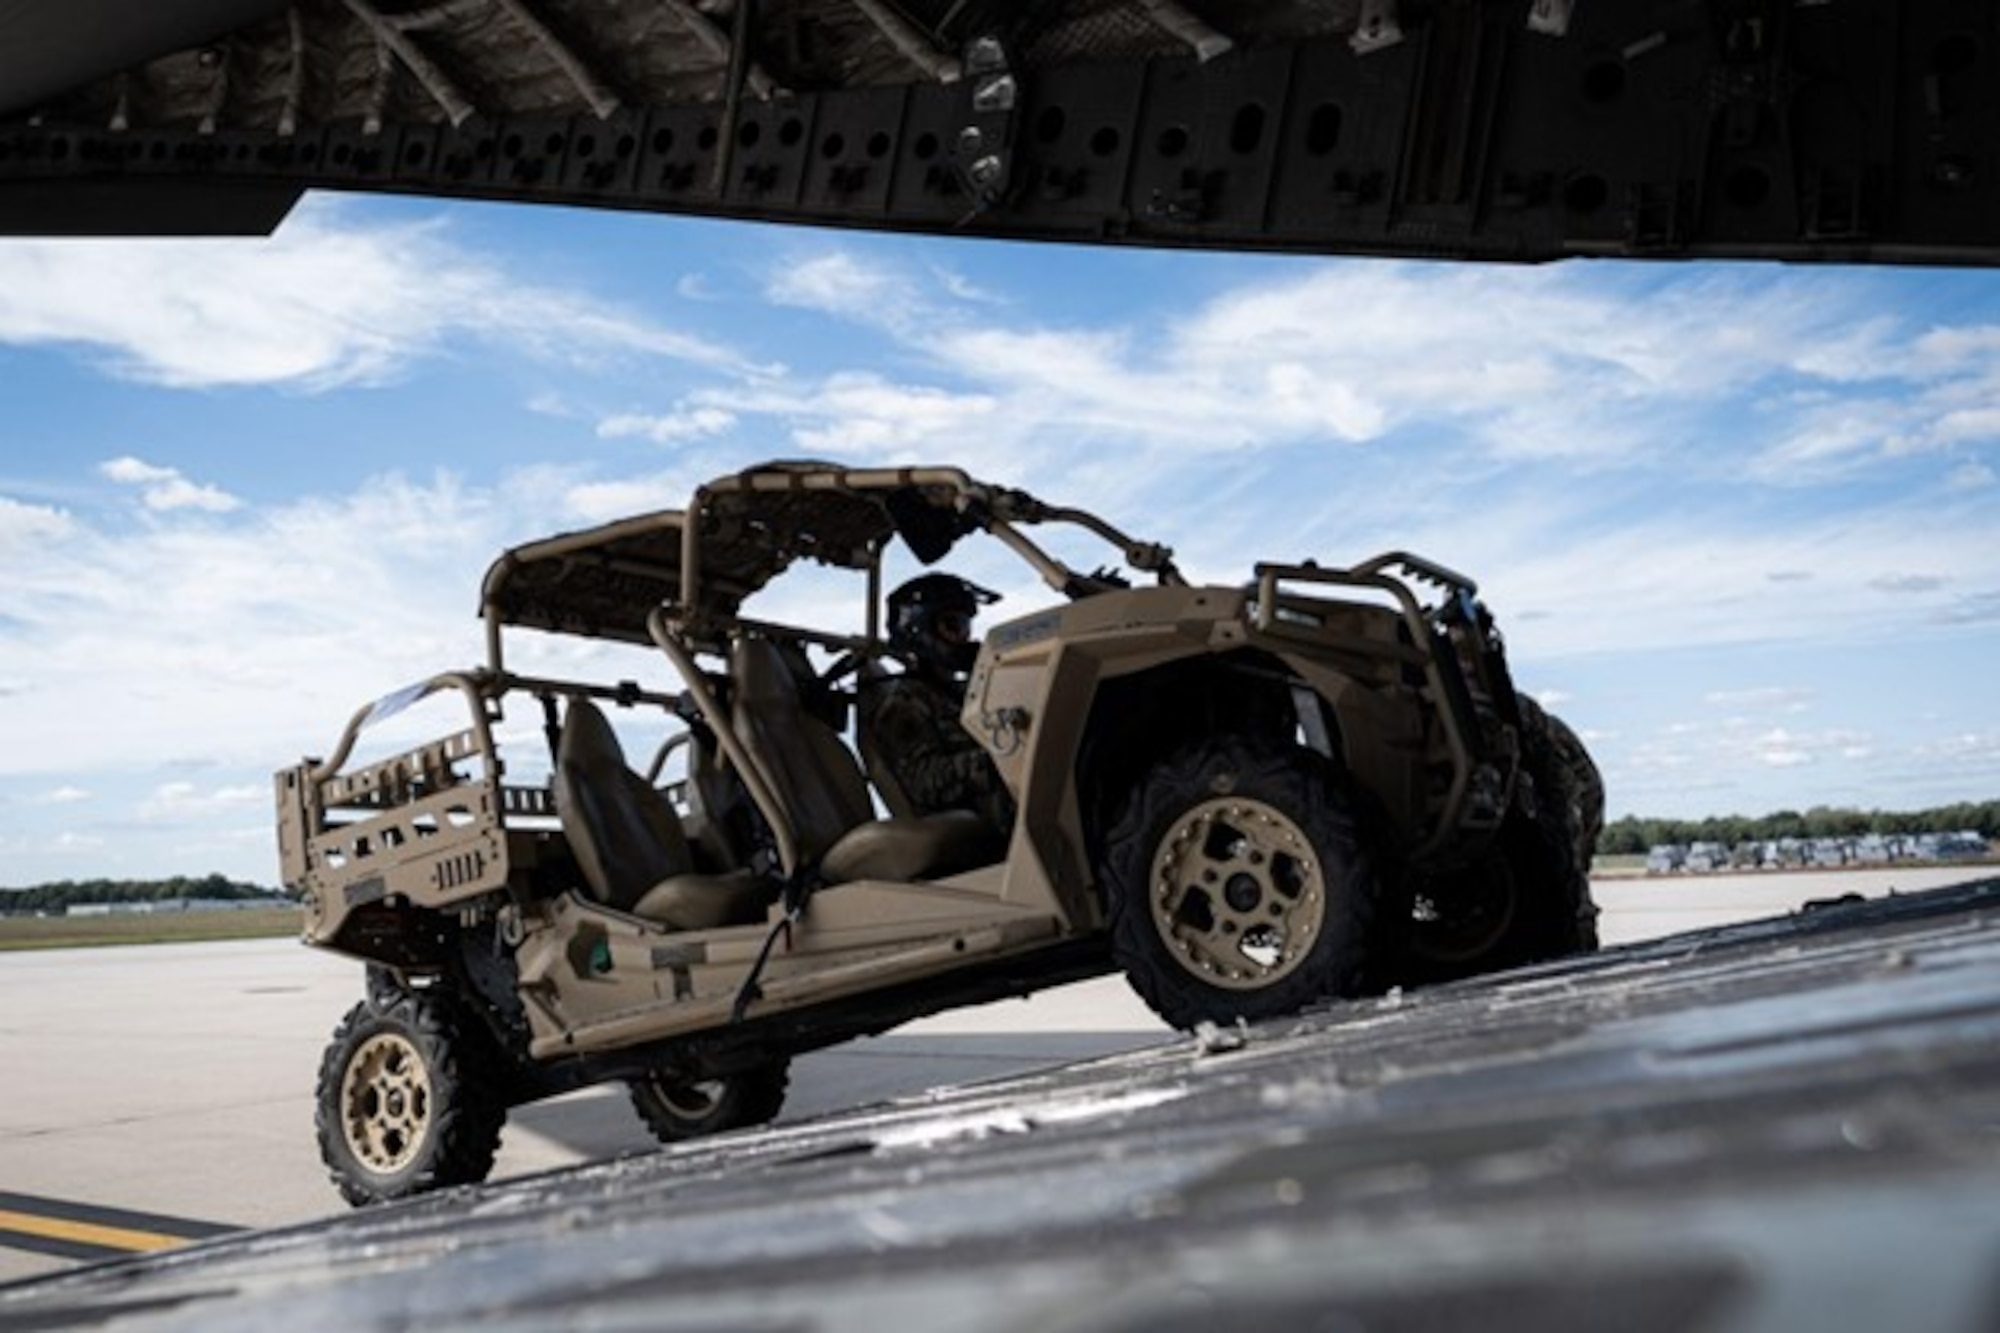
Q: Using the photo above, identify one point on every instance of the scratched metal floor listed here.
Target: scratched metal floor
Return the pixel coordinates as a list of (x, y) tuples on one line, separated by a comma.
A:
[(1791, 1125)]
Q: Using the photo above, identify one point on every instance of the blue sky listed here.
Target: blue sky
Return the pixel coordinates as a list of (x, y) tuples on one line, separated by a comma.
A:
[(1740, 523)]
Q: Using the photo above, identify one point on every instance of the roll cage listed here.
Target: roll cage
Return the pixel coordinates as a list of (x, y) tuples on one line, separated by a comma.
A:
[(678, 579)]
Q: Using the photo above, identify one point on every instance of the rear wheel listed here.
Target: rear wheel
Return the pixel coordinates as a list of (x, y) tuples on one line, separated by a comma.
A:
[(406, 1101), (1463, 918), (1528, 899), (677, 1110), (1239, 886)]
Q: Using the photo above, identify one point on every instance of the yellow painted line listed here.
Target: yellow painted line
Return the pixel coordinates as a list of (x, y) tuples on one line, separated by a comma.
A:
[(87, 1233)]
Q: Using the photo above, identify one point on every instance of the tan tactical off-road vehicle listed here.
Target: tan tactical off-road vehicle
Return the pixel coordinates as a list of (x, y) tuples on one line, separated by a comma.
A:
[(1250, 797)]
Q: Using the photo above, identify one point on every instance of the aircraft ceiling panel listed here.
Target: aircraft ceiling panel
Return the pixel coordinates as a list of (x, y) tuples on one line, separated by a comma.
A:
[(1865, 131)]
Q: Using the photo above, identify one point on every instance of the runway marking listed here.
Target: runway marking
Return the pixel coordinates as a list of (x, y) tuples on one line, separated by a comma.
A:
[(72, 1230)]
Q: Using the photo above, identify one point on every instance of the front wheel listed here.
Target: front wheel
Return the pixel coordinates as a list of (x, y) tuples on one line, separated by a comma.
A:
[(406, 1103), (1239, 886), (677, 1110)]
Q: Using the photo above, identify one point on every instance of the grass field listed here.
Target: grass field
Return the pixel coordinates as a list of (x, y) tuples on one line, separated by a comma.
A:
[(89, 932)]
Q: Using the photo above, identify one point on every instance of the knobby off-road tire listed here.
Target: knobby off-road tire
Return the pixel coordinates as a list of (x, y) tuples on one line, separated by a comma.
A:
[(1529, 899), (1574, 801), (677, 1111), (407, 1100), (1239, 886)]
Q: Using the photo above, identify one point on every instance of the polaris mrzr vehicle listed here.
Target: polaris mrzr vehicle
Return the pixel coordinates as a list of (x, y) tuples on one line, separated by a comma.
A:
[(1248, 797)]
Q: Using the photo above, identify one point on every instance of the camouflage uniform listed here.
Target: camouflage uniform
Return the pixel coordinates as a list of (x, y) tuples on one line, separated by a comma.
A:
[(914, 725)]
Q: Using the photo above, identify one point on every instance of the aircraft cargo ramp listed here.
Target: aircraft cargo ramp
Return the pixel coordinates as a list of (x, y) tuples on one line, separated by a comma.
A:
[(1789, 1125)]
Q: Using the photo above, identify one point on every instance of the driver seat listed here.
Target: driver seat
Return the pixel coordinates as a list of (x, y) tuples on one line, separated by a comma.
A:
[(628, 840), (818, 783)]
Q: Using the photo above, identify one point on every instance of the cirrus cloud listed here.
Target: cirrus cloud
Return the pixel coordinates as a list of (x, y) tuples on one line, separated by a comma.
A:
[(324, 303)]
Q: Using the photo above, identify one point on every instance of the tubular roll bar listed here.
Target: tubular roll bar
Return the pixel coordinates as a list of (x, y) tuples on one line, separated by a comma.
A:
[(474, 685), (660, 625), (1460, 727)]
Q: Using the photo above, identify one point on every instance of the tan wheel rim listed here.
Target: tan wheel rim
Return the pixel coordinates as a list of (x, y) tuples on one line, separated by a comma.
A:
[(385, 1103), (1238, 893)]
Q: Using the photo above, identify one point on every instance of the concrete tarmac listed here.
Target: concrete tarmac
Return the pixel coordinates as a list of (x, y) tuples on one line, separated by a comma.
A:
[(178, 1079)]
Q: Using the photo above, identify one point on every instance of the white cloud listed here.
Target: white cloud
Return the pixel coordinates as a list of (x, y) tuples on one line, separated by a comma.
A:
[(321, 304), (1741, 765), (841, 282), (673, 428), (1824, 440), (1968, 425), (164, 489), (847, 415), (1555, 363), (1976, 609), (548, 403), (1783, 748), (1774, 698), (1230, 431), (606, 501), (1902, 583), (1778, 754), (961, 288), (1944, 350), (1966, 749), (1568, 579), (185, 803), (910, 301), (136, 472), (23, 524), (246, 641), (862, 413), (835, 281)]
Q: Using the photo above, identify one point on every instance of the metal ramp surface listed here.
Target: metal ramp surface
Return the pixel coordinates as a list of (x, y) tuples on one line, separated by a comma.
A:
[(1790, 1125)]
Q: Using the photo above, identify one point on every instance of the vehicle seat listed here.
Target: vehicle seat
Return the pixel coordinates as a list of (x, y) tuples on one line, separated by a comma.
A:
[(716, 807), (628, 840), (819, 786)]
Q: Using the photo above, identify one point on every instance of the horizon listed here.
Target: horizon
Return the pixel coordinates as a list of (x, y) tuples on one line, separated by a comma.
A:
[(276, 888), (1736, 521)]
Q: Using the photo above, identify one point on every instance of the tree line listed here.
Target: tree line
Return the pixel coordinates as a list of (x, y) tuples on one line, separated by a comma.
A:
[(1634, 835), (61, 896)]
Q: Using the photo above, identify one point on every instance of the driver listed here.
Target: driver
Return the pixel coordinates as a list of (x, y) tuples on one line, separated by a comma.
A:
[(912, 720)]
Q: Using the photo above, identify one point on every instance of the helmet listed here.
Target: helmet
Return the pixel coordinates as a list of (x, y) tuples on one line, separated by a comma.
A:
[(930, 621)]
